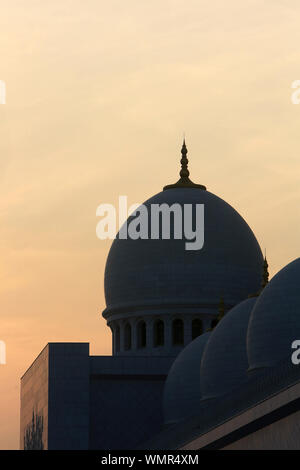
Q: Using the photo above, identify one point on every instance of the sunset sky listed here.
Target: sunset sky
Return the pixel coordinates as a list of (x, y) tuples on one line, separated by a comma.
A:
[(99, 94)]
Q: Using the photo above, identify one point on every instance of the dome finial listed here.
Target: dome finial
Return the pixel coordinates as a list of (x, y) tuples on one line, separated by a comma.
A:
[(184, 181), (265, 278), (184, 172)]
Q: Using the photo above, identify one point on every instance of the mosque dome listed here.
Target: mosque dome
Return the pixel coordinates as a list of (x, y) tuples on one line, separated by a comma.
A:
[(182, 392), (275, 321), (161, 275), (224, 363)]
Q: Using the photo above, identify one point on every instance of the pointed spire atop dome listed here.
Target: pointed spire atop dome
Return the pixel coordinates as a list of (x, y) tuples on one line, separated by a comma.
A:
[(184, 181), (265, 278)]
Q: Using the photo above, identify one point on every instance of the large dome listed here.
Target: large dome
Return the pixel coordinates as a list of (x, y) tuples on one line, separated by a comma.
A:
[(275, 321), (224, 364), (149, 275), (182, 393)]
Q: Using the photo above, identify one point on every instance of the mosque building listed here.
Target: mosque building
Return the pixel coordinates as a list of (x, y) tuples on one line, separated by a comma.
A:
[(201, 342)]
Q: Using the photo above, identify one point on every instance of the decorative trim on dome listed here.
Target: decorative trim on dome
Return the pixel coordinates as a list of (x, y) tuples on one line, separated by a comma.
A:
[(184, 181)]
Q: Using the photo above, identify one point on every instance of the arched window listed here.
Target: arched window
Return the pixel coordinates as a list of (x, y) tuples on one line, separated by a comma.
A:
[(159, 333), (141, 334), (127, 337), (177, 332), (196, 328), (117, 338)]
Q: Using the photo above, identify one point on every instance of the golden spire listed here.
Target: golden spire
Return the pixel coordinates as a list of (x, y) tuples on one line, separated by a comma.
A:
[(184, 181)]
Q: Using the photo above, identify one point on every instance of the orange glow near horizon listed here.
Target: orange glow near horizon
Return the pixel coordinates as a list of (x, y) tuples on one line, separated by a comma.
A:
[(98, 95)]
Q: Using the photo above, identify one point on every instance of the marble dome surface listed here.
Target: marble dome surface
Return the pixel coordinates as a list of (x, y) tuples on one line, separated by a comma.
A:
[(225, 363), (182, 393), (147, 275), (275, 321)]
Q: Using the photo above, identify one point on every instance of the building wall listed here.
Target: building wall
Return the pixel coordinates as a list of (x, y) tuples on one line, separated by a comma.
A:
[(281, 435), (34, 396), (98, 402), (68, 396), (56, 389), (271, 422), (124, 412), (126, 400)]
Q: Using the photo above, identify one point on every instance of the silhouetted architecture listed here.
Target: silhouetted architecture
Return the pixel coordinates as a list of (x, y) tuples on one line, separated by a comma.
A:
[(198, 360)]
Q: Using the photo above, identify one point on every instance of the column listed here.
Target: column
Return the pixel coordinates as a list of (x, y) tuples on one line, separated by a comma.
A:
[(133, 323), (149, 333)]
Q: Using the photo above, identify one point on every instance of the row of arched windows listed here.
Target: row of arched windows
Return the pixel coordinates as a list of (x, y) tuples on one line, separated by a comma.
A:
[(158, 333)]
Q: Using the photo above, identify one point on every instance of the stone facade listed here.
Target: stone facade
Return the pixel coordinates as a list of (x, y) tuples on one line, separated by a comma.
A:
[(34, 397), (93, 402)]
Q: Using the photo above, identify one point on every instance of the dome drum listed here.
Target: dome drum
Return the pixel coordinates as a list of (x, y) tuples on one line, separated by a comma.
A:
[(164, 335)]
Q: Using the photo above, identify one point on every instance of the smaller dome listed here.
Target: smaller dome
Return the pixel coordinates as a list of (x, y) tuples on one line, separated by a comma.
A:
[(275, 321), (225, 363), (182, 387)]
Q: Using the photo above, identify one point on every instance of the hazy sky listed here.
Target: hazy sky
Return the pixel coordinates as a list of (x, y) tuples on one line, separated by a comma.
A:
[(99, 94)]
